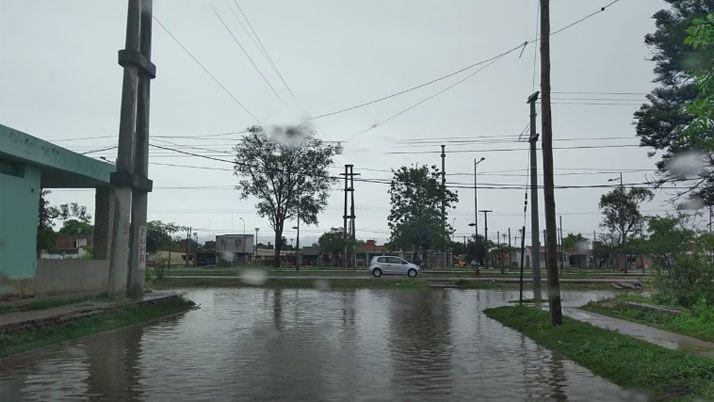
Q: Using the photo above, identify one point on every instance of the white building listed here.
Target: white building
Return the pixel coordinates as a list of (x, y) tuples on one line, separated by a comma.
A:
[(235, 248)]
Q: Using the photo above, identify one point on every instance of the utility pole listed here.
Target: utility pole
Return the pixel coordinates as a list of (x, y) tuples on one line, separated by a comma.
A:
[(297, 244), (349, 232), (535, 228), (485, 233), (353, 257), (476, 162), (523, 255), (344, 218), (188, 240), (510, 256), (554, 304), (560, 236), (121, 179), (443, 200), (255, 247)]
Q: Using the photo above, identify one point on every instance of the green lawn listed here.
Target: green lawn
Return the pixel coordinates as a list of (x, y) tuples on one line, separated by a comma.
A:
[(125, 316), (28, 305), (631, 363), (698, 322)]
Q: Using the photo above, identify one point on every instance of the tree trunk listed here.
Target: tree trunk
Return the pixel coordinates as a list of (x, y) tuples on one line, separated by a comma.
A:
[(278, 246)]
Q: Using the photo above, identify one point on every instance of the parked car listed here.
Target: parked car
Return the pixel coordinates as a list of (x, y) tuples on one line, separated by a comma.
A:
[(388, 265)]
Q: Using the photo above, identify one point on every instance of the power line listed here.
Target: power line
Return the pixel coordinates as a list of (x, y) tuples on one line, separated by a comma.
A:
[(213, 77), (511, 149), (265, 51), (461, 70), (252, 62)]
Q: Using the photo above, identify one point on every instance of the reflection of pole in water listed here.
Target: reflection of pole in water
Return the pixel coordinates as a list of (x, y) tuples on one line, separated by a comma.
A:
[(277, 306), (557, 377), (114, 364)]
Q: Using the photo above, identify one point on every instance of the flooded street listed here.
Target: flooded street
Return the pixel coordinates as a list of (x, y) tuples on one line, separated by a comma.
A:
[(298, 344)]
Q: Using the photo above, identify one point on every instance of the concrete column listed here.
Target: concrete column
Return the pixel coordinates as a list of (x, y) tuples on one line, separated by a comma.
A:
[(103, 222)]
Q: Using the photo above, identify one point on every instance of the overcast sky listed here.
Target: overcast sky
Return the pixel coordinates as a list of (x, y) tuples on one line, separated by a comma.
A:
[(60, 80)]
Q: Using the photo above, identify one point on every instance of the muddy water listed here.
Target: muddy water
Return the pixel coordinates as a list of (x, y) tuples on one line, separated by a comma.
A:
[(294, 344)]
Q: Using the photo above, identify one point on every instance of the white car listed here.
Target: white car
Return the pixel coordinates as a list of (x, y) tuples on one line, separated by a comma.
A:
[(388, 265)]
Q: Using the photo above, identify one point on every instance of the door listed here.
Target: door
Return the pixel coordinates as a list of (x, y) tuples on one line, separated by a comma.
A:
[(400, 266)]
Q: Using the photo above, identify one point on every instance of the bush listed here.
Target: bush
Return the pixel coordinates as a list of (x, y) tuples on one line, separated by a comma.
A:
[(686, 280)]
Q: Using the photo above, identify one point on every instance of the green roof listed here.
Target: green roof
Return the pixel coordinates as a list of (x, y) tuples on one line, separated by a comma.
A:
[(60, 167)]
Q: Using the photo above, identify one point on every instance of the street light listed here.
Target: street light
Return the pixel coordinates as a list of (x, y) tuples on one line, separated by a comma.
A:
[(243, 242), (297, 246), (476, 162)]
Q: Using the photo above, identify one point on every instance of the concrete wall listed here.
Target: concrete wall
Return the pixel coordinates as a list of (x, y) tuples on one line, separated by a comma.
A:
[(56, 277), (19, 201)]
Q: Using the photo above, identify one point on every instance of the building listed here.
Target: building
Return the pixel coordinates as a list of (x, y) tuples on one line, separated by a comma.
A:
[(234, 248), (27, 166), (68, 246)]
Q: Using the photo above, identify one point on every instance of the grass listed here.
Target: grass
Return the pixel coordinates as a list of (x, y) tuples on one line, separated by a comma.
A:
[(631, 363), (697, 322), (29, 305), (383, 283), (124, 316)]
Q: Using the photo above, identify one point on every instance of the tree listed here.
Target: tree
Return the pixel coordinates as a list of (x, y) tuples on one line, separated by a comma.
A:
[(209, 245), (672, 119), (157, 236), (415, 219), (476, 249), (47, 214), (621, 211), (575, 242), (667, 236), (76, 227), (287, 172), (333, 241)]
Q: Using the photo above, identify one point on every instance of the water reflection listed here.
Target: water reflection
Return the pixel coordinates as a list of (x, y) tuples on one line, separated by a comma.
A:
[(306, 344)]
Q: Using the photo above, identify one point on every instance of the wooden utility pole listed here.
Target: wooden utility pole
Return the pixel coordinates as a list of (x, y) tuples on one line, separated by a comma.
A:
[(554, 305), (535, 227)]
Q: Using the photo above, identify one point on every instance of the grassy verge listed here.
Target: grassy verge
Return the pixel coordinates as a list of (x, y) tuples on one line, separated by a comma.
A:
[(698, 322), (383, 283), (626, 361), (124, 316), (29, 305)]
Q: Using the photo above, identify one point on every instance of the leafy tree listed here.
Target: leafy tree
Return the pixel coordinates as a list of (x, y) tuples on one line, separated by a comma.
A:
[(209, 245), (415, 219), (574, 242), (74, 210), (76, 227), (45, 233), (669, 121), (288, 175), (667, 236), (333, 241), (476, 249), (621, 211), (157, 236)]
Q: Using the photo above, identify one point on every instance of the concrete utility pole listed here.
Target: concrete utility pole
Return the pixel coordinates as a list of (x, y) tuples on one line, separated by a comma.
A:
[(443, 200), (560, 237), (535, 227), (255, 246), (485, 233), (188, 240), (127, 264), (349, 231), (476, 162), (523, 255), (554, 303)]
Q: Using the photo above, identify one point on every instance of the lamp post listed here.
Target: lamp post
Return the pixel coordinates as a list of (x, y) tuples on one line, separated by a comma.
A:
[(297, 246), (622, 186), (485, 231), (476, 162), (243, 242), (255, 246)]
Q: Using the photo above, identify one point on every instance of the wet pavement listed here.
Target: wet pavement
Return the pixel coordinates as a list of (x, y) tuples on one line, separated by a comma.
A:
[(297, 344), (659, 337)]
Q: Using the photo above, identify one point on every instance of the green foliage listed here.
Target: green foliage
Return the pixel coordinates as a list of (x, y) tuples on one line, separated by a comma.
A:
[(476, 249), (209, 245), (159, 236), (76, 227), (334, 241), (288, 177), (621, 211), (624, 360), (575, 242), (674, 119), (415, 219), (687, 280)]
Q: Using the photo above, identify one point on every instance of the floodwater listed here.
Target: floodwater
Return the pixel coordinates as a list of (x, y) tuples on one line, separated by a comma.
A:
[(297, 344)]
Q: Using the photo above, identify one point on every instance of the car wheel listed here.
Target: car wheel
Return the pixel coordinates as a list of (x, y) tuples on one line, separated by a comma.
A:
[(377, 272), (412, 273)]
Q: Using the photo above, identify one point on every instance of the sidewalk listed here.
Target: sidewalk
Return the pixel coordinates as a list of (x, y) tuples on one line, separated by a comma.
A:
[(669, 340), (33, 319)]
